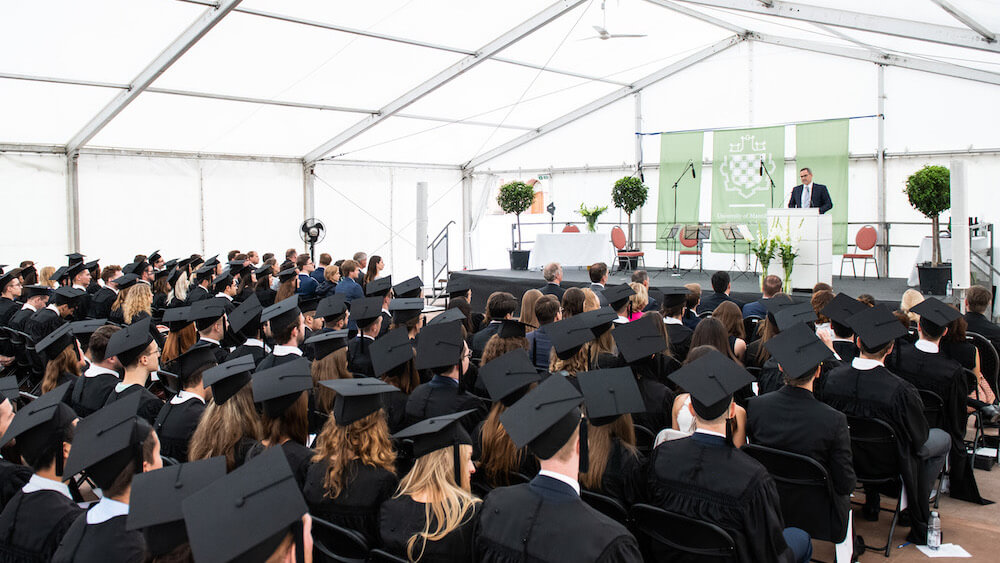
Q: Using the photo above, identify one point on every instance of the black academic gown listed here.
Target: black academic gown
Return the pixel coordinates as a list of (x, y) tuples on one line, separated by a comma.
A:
[(546, 521), (680, 340), (42, 323), (793, 420), (266, 296), (299, 457), (441, 396), (7, 309), (359, 361), (944, 376), (845, 349), (386, 323), (20, 319), (149, 405), (82, 310), (362, 492), (624, 475), (218, 351), (478, 341), (176, 424), (256, 352), (402, 517), (197, 293), (394, 406), (100, 303), (704, 477), (271, 360), (33, 524), (13, 476), (91, 393), (107, 542), (878, 393), (657, 397)]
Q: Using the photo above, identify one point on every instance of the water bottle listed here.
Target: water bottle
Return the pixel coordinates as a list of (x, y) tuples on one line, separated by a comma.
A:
[(934, 531)]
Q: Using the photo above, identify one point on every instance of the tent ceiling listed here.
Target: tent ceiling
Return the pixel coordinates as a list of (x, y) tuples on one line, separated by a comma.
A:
[(341, 62)]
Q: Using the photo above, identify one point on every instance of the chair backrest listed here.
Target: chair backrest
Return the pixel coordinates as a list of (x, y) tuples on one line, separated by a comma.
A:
[(989, 362), (750, 326), (379, 556), (866, 238), (685, 241), (618, 237), (335, 543), (644, 439), (606, 505), (674, 534), (571, 229), (933, 407), (873, 447), (704, 314)]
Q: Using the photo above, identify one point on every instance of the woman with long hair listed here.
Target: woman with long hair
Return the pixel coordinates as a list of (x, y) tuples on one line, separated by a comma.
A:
[(528, 301), (230, 425), (288, 286), (62, 356), (683, 420), (729, 314), (711, 332), (331, 275), (352, 471), (591, 302), (510, 336), (263, 289), (757, 354), (45, 277), (568, 355), (508, 379), (462, 304), (138, 304), (433, 515), (282, 392), (615, 466), (161, 292), (374, 271), (911, 298), (393, 363), (178, 341), (117, 314), (329, 363), (572, 302)]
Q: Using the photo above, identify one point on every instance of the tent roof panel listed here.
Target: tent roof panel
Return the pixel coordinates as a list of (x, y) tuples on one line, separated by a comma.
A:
[(38, 112)]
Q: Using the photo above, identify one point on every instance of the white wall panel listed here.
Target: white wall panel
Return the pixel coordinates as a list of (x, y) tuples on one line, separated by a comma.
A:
[(33, 188)]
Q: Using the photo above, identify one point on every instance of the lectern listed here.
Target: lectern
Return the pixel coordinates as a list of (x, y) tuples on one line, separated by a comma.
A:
[(814, 233)]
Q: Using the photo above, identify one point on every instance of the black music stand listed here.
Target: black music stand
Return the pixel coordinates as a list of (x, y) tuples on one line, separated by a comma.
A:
[(732, 232), (671, 236), (701, 233)]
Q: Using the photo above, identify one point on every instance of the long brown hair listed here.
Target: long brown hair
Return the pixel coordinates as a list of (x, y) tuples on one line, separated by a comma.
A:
[(223, 426), (293, 424), (366, 440), (662, 327), (528, 301), (332, 366), (372, 272), (600, 441), (286, 290), (178, 342), (711, 332), (120, 299), (572, 302), (578, 362), (66, 362), (500, 456), (731, 318), (496, 347), (404, 377)]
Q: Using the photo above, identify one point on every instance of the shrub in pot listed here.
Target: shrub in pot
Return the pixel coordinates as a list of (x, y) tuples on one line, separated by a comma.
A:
[(929, 192), (629, 194), (516, 197)]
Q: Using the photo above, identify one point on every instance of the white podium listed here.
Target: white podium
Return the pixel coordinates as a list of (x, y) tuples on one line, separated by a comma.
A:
[(814, 233)]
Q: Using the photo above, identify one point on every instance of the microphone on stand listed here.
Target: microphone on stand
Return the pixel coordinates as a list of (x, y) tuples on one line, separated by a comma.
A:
[(691, 162), (761, 167)]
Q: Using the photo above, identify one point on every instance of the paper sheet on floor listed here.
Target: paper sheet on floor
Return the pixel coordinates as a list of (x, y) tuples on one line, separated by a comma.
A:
[(845, 549), (946, 550)]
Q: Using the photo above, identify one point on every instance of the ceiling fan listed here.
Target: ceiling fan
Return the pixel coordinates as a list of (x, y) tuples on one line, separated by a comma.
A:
[(602, 32)]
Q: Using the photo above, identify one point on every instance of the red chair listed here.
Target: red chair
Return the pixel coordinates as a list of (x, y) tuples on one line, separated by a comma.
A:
[(618, 239), (690, 243), (864, 243), (571, 229)]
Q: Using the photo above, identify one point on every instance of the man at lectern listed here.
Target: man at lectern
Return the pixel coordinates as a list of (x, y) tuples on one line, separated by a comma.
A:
[(808, 194)]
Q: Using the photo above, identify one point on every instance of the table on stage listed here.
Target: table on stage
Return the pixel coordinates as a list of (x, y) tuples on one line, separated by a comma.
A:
[(571, 249), (979, 244)]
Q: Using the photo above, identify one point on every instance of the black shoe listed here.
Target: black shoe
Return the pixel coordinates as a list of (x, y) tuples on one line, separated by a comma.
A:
[(904, 519), (991, 413), (870, 511)]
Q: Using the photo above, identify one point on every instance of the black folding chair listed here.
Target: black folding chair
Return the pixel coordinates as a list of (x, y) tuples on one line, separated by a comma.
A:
[(989, 361), (670, 536), (380, 556), (876, 463), (606, 505), (750, 325), (338, 544), (644, 439), (933, 407)]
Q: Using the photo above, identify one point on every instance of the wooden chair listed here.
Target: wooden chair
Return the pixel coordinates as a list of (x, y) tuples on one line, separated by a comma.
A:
[(864, 244), (618, 239)]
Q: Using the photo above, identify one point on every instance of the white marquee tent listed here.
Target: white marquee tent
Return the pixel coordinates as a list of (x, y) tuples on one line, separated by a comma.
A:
[(202, 125)]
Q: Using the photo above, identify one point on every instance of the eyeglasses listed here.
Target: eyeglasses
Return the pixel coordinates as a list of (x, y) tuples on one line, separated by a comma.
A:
[(467, 355)]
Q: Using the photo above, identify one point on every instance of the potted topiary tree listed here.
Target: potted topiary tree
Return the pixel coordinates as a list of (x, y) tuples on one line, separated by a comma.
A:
[(929, 192), (516, 197), (629, 194)]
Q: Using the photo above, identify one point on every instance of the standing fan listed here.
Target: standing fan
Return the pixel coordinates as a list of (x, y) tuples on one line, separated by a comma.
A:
[(311, 232)]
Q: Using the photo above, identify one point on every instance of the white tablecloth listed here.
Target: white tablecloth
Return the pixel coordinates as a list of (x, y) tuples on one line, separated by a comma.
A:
[(979, 244), (571, 249)]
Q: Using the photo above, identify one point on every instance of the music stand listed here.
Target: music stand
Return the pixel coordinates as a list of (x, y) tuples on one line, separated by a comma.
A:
[(672, 237), (701, 233), (732, 232)]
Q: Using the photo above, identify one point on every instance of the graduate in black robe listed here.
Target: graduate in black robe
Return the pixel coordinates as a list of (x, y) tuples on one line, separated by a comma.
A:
[(91, 391), (10, 292), (546, 520), (281, 390), (209, 317), (179, 417), (139, 355), (13, 476), (101, 302), (245, 322), (442, 350), (367, 314), (288, 330), (46, 320)]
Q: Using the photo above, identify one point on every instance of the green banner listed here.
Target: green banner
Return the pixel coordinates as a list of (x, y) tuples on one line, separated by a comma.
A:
[(740, 193), (676, 151), (822, 147)]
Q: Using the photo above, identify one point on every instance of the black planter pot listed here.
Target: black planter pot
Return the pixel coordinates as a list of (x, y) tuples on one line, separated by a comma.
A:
[(934, 279), (519, 259)]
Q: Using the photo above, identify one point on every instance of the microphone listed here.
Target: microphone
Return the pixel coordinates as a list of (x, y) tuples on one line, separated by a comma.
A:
[(761, 167), (691, 164)]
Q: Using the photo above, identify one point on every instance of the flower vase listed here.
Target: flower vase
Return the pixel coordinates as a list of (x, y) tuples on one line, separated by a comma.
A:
[(788, 275), (763, 274), (592, 224)]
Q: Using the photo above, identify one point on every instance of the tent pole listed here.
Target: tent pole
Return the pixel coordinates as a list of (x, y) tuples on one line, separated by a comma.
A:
[(467, 218), (73, 201), (883, 251)]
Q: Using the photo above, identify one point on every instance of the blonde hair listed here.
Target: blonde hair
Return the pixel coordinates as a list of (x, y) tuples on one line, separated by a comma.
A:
[(223, 426), (451, 505), (576, 363), (366, 440), (332, 366), (911, 298), (590, 300), (180, 290), (528, 301), (641, 297), (138, 300), (45, 276)]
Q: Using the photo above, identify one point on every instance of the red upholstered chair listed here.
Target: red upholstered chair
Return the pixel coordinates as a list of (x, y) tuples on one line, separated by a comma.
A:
[(571, 229), (864, 245), (693, 245), (618, 239)]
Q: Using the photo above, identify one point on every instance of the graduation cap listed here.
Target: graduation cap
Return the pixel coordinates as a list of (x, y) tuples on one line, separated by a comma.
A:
[(75, 257), (29, 269), (282, 314), (876, 326), (798, 351), (29, 291), (673, 296), (60, 274), (790, 315), (177, 318), (366, 311), (458, 286), (512, 329), (238, 267), (775, 304), (842, 307), (711, 380), (8, 277), (610, 393), (137, 268), (639, 339), (448, 316), (356, 398), (934, 310), (244, 516), (91, 265), (226, 379), (107, 440), (206, 312), (308, 305), (569, 335), (545, 418), (331, 307), (287, 274), (130, 342), (157, 496), (379, 287), (264, 269), (199, 355), (278, 388), (9, 389), (204, 273), (245, 319), (82, 330), (184, 263), (599, 320), (174, 275), (391, 350), (222, 281), (2, 266), (72, 271), (406, 309), (408, 288), (160, 274), (440, 346), (618, 295), (125, 281), (39, 425), (507, 377), (212, 262), (154, 256), (326, 343), (58, 340), (68, 296), (436, 433)]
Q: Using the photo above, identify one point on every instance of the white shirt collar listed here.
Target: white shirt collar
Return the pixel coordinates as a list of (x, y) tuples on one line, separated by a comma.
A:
[(672, 321), (207, 339), (710, 432), (836, 338), (224, 294), (106, 510), (52, 307), (30, 307), (281, 350), (808, 186), (620, 321), (78, 286), (121, 386), (253, 342), (94, 370), (600, 285), (865, 364), (560, 477), (184, 396), (37, 483), (925, 346)]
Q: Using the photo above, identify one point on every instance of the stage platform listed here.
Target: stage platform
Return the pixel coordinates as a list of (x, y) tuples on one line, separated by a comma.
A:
[(745, 288)]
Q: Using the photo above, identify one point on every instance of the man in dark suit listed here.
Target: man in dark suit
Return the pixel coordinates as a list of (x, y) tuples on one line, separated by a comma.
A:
[(809, 194), (553, 275), (547, 311), (977, 306), (642, 276), (771, 285), (793, 420), (598, 279), (721, 288), (501, 305)]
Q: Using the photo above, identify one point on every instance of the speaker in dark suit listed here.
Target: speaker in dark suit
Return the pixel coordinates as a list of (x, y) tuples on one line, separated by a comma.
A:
[(819, 195)]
